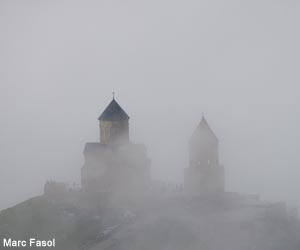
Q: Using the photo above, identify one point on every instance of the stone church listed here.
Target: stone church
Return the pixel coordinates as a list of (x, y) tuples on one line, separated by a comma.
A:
[(119, 208), (115, 164)]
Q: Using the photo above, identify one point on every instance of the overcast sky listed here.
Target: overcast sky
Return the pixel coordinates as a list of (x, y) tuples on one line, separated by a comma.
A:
[(168, 61)]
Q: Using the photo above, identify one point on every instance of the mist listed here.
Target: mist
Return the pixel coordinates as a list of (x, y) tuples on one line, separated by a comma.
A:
[(168, 62)]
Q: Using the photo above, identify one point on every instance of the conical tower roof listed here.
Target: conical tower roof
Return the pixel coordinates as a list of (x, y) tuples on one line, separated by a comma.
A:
[(113, 112), (204, 131)]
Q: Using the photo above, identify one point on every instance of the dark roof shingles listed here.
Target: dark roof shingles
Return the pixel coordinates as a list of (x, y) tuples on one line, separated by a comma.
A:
[(113, 112)]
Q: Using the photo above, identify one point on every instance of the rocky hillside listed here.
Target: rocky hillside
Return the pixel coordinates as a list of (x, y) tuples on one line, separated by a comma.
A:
[(81, 221)]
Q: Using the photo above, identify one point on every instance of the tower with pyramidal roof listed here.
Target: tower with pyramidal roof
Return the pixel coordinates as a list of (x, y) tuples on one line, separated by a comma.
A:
[(205, 175), (113, 122)]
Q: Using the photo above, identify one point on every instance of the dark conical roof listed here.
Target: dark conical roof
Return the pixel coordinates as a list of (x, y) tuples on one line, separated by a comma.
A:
[(204, 130), (113, 112)]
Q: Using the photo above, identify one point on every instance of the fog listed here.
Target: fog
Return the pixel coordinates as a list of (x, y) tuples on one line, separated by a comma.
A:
[(168, 62)]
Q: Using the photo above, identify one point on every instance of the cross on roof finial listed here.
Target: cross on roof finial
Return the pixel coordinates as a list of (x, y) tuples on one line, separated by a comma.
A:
[(113, 93)]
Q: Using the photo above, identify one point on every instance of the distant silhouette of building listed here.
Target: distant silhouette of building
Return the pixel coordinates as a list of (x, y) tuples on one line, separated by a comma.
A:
[(54, 188), (205, 175), (115, 164)]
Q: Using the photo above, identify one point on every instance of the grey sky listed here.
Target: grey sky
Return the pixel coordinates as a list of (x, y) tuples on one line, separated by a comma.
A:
[(168, 61)]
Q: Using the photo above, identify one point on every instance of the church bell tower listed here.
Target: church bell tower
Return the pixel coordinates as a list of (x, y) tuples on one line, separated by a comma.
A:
[(204, 176)]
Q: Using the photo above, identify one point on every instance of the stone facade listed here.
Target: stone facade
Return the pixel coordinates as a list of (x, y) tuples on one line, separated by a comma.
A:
[(114, 131)]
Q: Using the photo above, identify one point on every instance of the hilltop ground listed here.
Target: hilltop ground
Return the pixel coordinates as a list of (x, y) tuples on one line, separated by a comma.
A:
[(155, 221)]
